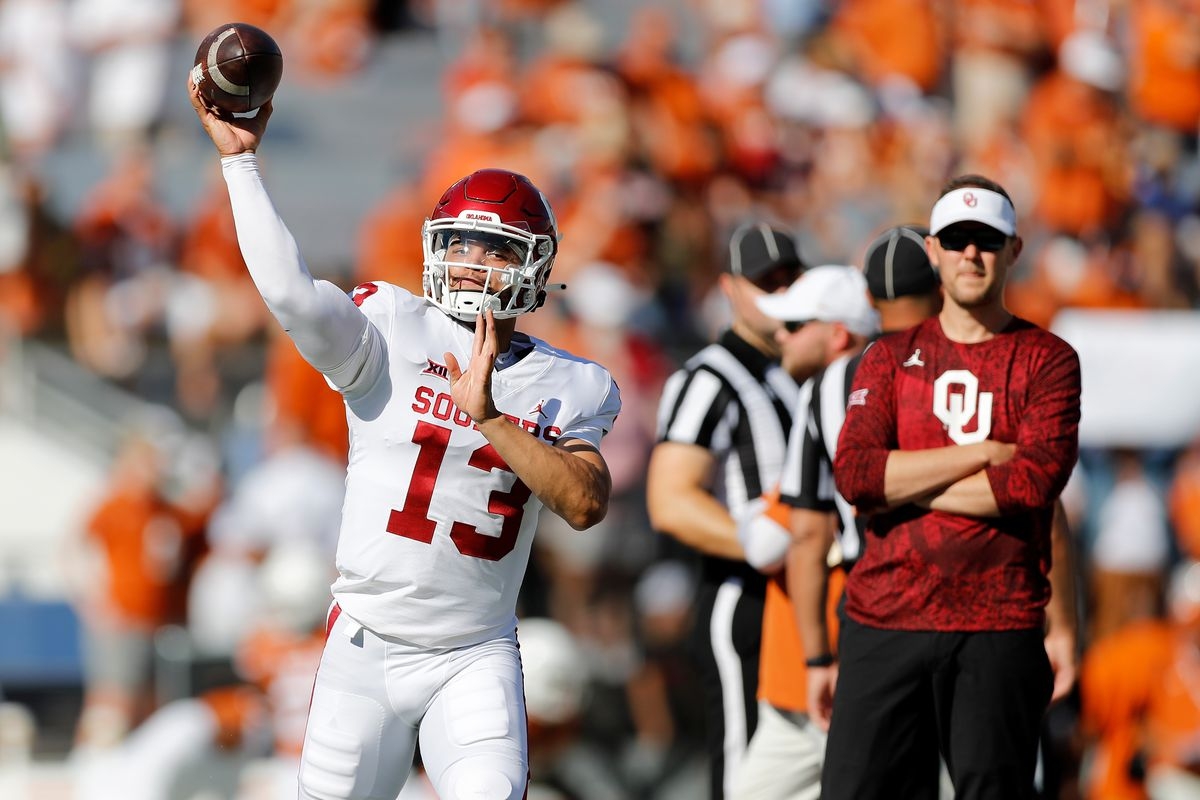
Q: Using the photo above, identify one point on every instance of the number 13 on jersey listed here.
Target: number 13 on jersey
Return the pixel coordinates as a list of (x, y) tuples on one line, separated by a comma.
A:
[(413, 521)]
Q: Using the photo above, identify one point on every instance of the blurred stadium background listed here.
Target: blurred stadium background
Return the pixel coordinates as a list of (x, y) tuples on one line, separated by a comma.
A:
[(171, 473)]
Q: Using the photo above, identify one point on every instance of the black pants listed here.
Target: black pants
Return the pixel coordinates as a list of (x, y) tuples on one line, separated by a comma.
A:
[(725, 643), (988, 692)]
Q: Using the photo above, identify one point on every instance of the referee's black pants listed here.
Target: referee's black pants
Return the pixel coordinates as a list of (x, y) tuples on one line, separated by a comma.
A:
[(725, 643), (988, 692)]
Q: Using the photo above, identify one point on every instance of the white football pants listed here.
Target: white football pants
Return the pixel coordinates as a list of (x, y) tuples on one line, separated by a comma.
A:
[(374, 696)]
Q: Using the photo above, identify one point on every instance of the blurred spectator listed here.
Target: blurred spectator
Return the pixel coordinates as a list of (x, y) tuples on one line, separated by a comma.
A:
[(482, 123), (141, 544), (571, 84), (731, 79), (389, 248), (36, 76), (201, 16), (302, 409), (127, 44), (669, 121), (867, 30), (1141, 711), (996, 45), (128, 248), (281, 651), (294, 496), (212, 305), (1164, 70), (1152, 265), (207, 739), (1069, 273), (602, 306), (1075, 132), (39, 258), (328, 40), (1132, 549), (557, 681), (662, 697), (1184, 500)]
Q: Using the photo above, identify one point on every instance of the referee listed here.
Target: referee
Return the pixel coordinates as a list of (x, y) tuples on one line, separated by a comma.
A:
[(723, 425)]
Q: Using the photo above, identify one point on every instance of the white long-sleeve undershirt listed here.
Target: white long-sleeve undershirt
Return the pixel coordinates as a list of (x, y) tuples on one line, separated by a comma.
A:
[(329, 330)]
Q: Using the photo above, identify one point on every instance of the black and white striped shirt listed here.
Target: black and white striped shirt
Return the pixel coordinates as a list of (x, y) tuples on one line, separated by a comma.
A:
[(734, 401), (808, 470)]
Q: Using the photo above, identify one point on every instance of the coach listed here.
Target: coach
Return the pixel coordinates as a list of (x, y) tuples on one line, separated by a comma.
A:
[(960, 433)]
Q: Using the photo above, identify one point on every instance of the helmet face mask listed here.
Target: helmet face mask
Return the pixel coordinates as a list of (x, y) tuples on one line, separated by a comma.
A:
[(507, 217)]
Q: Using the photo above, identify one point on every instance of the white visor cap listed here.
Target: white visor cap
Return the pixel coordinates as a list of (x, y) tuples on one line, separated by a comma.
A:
[(828, 293), (973, 204)]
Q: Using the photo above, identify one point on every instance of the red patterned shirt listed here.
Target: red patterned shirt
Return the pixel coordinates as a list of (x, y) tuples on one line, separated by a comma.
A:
[(931, 570)]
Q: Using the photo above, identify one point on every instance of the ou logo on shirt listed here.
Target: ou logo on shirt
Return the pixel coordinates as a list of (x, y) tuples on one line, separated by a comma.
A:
[(956, 399)]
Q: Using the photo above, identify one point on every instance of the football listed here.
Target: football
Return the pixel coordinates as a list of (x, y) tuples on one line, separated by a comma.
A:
[(237, 68)]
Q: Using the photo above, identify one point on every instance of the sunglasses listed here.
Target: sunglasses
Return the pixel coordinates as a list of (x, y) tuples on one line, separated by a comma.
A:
[(793, 325), (988, 240), (778, 278)]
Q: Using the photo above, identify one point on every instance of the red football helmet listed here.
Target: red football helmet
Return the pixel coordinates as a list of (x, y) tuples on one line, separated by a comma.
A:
[(503, 210)]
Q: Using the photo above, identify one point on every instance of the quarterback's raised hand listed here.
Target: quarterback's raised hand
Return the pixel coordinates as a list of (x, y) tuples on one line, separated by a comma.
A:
[(231, 136), (472, 388)]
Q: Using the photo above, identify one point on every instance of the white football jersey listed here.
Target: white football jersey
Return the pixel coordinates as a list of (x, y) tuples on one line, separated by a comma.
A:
[(436, 531)]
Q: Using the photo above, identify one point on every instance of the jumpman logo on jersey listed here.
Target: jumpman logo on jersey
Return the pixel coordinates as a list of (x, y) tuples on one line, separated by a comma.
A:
[(914, 360), (538, 409)]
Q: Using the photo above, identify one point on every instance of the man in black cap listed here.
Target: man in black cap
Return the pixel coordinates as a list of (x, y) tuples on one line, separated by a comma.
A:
[(904, 288), (724, 420)]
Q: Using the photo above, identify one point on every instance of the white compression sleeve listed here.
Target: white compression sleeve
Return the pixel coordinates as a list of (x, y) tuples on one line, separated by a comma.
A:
[(328, 329)]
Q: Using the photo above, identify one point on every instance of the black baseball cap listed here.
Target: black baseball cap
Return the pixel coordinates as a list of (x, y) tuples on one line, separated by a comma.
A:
[(897, 264), (757, 248)]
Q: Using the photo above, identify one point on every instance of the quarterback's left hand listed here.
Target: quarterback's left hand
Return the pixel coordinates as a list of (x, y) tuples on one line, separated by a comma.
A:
[(472, 389)]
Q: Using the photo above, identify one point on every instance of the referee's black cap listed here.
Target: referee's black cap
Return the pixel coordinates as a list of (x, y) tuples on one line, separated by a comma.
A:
[(897, 264), (758, 248)]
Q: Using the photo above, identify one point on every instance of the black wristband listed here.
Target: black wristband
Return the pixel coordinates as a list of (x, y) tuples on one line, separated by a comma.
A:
[(820, 661)]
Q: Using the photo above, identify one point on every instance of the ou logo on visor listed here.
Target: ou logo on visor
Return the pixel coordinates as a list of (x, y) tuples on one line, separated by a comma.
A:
[(956, 399)]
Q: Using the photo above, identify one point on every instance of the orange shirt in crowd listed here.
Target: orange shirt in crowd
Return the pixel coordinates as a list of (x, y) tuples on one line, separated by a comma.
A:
[(782, 677), (201, 16), (1173, 715), (283, 665), (1183, 502), (236, 709), (389, 240), (1164, 66), (306, 409), (148, 548), (1119, 676), (279, 668), (868, 29), (1074, 134), (210, 247)]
